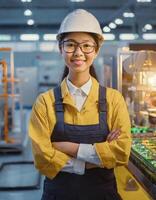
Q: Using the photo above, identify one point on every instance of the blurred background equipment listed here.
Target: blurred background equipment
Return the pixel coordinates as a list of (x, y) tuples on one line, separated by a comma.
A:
[(137, 82), (10, 135)]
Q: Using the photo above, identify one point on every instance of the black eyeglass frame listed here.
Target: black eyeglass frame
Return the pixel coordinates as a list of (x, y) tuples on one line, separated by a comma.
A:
[(77, 45)]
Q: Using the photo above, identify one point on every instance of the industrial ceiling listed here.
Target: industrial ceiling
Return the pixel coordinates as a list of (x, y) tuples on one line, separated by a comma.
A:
[(45, 16)]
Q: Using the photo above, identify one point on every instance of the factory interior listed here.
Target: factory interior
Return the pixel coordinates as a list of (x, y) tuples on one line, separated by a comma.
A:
[(30, 64)]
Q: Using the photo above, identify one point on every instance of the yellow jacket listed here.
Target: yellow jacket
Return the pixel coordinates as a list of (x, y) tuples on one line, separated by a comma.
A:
[(50, 161)]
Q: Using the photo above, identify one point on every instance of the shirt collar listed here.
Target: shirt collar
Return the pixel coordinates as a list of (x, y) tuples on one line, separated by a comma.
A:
[(85, 88)]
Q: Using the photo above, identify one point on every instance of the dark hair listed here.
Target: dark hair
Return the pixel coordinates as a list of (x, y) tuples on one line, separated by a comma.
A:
[(92, 72)]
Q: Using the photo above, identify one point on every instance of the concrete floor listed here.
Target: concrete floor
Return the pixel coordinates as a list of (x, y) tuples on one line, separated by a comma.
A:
[(21, 195), (15, 176)]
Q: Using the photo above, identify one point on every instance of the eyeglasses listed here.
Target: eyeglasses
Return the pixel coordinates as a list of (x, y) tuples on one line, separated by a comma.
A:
[(69, 46)]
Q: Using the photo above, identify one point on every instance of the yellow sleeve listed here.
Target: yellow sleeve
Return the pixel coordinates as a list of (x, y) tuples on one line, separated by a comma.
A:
[(116, 152), (48, 160)]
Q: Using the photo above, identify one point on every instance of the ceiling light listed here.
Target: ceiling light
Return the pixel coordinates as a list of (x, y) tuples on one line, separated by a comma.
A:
[(118, 21), (24, 1), (148, 27), (49, 36), (106, 29), (128, 14), (30, 22), (109, 36), (144, 1), (149, 36), (4, 37), (27, 12), (29, 37), (128, 36), (77, 0), (112, 25)]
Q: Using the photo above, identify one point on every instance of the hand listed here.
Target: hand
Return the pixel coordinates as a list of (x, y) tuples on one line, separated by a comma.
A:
[(69, 148), (113, 135)]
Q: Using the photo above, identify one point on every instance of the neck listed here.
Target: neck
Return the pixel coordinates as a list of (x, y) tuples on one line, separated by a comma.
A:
[(78, 80)]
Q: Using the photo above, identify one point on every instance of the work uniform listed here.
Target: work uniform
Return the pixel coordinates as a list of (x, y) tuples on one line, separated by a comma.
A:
[(90, 126)]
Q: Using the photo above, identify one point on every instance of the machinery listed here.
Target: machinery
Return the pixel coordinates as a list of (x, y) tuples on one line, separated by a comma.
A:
[(10, 134), (137, 82)]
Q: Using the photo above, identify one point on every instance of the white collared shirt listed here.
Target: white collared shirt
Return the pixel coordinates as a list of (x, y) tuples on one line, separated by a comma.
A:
[(79, 94)]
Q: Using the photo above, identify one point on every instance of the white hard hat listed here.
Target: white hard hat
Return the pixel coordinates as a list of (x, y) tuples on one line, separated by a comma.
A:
[(80, 20)]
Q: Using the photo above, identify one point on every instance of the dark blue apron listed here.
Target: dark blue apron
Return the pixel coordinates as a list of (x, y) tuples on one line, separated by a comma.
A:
[(96, 183)]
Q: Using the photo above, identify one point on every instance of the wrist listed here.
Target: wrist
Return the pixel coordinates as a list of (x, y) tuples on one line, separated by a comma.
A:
[(74, 149)]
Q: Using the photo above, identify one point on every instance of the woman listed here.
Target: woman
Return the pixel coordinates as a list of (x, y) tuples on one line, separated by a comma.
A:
[(80, 131)]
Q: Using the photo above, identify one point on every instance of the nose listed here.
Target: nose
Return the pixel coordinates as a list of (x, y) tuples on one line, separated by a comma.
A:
[(78, 51)]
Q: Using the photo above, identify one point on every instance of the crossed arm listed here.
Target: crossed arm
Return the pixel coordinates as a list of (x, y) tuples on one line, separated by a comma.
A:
[(71, 148)]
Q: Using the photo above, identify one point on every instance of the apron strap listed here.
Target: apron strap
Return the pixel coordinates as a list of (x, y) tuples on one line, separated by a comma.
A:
[(102, 107), (59, 107)]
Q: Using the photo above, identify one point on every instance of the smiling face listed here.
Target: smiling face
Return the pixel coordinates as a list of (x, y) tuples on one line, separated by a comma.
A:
[(77, 61)]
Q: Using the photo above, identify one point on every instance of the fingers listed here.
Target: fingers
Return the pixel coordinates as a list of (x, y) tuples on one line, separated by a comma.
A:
[(113, 135)]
